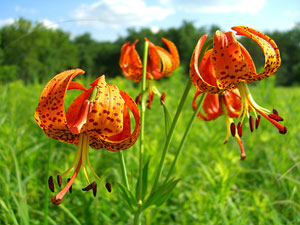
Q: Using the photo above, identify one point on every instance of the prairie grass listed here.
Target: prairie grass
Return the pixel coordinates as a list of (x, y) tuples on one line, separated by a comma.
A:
[(216, 187)]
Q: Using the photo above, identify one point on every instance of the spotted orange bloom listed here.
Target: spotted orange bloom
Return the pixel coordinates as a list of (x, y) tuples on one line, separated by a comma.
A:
[(98, 117), (161, 63), (228, 104), (228, 65)]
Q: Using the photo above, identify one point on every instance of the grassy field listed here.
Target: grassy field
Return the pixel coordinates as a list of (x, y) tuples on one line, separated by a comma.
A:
[(216, 187)]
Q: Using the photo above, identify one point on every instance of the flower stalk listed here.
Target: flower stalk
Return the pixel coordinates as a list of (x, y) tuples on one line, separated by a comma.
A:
[(142, 135), (188, 128)]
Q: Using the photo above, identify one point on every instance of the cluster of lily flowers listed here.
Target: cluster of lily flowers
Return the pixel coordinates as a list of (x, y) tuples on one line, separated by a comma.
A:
[(99, 117)]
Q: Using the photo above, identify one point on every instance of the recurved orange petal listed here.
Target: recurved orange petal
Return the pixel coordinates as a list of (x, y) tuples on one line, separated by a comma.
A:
[(130, 62), (228, 61), (173, 51), (105, 118), (211, 106), (269, 47), (50, 112), (196, 77), (232, 101), (123, 141)]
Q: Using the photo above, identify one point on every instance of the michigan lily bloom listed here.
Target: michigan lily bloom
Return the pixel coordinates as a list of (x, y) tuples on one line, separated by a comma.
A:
[(160, 63), (228, 65), (98, 117), (228, 104)]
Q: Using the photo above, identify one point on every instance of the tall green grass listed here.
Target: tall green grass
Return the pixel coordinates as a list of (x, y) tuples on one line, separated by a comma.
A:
[(216, 187)]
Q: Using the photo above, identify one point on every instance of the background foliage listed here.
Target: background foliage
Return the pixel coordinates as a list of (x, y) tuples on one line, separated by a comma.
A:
[(215, 187), (31, 52)]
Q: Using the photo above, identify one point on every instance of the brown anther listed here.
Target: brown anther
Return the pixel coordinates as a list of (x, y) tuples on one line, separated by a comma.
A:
[(251, 123), (59, 180), (275, 112), (70, 189), (232, 129), (284, 131), (257, 121), (275, 117), (240, 129), (55, 201), (50, 183), (162, 98), (108, 187), (95, 189), (138, 99), (90, 186)]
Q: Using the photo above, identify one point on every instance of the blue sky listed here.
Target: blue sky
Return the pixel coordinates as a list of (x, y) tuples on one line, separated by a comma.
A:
[(109, 19)]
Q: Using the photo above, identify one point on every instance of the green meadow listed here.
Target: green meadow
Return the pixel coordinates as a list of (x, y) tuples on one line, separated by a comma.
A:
[(216, 187)]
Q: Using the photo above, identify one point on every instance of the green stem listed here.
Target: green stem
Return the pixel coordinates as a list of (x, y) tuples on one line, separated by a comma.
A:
[(184, 137), (123, 168), (142, 133), (170, 135), (205, 46)]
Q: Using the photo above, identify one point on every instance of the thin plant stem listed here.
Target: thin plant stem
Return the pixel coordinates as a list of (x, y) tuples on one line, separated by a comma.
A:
[(188, 128), (124, 170), (141, 152), (205, 46), (170, 135)]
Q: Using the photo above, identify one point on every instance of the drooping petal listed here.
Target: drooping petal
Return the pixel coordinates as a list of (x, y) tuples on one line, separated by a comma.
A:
[(269, 47), (228, 61), (232, 101), (113, 143), (206, 69), (130, 62), (153, 63), (173, 51), (211, 106), (106, 112), (198, 80), (161, 62), (50, 112)]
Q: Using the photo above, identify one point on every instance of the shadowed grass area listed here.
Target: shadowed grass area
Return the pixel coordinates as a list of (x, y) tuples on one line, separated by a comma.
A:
[(216, 187)]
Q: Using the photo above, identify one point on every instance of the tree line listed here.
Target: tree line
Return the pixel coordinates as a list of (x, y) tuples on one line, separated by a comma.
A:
[(33, 53)]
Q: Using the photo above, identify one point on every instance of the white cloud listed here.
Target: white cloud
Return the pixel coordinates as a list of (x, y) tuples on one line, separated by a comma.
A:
[(5, 22), (49, 24), (119, 13), (218, 6)]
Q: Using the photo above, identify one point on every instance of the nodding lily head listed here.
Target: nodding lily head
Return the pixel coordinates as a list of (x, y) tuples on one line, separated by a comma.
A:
[(160, 63), (99, 117), (229, 66)]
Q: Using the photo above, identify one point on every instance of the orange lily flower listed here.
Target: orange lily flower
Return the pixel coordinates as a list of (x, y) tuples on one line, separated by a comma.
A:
[(228, 104), (160, 63), (228, 65), (98, 118)]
